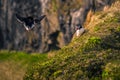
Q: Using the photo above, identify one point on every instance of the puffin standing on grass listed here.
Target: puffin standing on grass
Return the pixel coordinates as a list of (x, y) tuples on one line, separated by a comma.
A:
[(29, 22), (79, 30)]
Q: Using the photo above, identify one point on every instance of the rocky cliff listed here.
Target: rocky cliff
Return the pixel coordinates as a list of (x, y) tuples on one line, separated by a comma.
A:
[(55, 31)]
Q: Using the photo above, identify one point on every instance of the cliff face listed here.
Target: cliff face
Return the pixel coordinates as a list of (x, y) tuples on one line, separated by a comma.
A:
[(55, 31)]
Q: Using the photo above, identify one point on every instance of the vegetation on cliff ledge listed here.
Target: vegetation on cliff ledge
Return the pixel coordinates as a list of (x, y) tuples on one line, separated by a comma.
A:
[(93, 56)]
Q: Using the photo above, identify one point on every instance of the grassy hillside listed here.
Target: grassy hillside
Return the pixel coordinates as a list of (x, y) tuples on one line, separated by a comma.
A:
[(13, 65), (93, 56)]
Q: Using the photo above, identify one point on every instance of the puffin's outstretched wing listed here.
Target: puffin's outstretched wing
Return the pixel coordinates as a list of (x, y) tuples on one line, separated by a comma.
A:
[(39, 19), (19, 18)]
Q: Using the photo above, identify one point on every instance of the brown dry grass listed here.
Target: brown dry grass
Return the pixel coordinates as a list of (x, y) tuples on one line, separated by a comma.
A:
[(93, 20), (11, 71)]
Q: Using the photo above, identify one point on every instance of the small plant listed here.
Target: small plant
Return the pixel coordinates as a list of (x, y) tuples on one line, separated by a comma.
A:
[(55, 5), (96, 28), (113, 19), (118, 28), (93, 43), (57, 73), (94, 40), (111, 71)]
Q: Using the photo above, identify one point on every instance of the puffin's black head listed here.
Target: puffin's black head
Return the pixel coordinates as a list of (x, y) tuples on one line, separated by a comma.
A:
[(78, 26)]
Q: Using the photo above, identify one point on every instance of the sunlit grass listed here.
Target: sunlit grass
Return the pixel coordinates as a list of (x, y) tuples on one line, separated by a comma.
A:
[(13, 64)]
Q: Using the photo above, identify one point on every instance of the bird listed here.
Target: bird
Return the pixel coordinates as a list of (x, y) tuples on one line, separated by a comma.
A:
[(78, 26), (29, 22), (79, 30)]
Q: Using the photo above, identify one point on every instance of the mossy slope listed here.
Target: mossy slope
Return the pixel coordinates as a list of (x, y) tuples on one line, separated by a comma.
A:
[(93, 56)]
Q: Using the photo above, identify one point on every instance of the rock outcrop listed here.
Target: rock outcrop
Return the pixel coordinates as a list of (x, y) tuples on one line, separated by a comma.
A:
[(55, 31)]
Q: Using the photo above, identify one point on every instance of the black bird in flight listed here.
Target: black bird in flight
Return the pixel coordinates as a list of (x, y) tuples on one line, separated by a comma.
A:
[(29, 22)]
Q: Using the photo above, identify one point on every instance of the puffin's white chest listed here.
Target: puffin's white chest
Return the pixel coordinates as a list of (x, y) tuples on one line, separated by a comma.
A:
[(80, 31)]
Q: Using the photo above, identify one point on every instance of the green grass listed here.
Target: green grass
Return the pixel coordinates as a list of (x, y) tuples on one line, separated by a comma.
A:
[(19, 56), (111, 71), (96, 28), (93, 56), (85, 60), (13, 64)]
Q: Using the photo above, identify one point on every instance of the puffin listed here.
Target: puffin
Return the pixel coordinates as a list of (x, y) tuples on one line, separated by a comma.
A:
[(79, 30), (29, 22)]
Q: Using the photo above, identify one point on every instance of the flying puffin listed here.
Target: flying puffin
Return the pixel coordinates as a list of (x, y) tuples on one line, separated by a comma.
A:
[(29, 22)]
